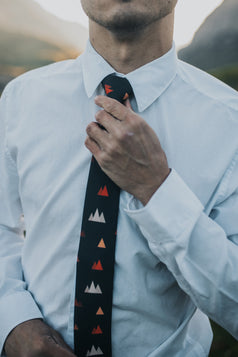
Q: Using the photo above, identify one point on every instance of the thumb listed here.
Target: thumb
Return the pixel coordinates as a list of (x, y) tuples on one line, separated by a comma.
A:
[(128, 104), (55, 350)]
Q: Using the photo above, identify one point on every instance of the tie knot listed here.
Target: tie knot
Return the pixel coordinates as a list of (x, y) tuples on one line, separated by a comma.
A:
[(116, 87)]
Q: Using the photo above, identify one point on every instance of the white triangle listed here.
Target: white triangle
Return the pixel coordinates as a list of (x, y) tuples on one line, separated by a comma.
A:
[(98, 290), (101, 218), (92, 288), (96, 217), (99, 351), (93, 351), (90, 353)]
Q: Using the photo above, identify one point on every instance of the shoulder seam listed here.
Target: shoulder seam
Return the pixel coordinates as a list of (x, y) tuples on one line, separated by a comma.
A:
[(207, 95), (47, 74), (6, 149), (227, 177)]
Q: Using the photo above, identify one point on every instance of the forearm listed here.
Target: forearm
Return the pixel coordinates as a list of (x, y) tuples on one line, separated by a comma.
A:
[(194, 248)]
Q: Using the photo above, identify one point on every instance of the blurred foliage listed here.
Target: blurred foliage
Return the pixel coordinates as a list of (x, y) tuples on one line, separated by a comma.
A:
[(224, 345), (228, 75)]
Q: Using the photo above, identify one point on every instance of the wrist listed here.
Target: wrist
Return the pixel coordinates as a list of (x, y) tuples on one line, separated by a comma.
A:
[(147, 192)]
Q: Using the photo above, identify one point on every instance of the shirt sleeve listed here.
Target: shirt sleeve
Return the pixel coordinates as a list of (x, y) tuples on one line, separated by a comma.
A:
[(16, 303), (201, 251)]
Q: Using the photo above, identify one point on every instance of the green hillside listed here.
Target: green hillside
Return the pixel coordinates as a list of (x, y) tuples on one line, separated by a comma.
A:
[(27, 52), (227, 74), (20, 53)]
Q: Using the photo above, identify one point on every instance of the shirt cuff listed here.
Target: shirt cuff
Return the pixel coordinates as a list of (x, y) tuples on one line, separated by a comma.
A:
[(15, 309), (171, 210)]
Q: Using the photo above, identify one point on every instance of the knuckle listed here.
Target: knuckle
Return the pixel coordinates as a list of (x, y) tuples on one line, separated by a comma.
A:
[(89, 128), (39, 347), (135, 122), (87, 141), (104, 159), (122, 136), (112, 107), (99, 115), (112, 146), (128, 116)]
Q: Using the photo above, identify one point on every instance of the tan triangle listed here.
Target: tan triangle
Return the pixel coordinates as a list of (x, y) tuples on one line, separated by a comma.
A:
[(101, 244), (100, 312)]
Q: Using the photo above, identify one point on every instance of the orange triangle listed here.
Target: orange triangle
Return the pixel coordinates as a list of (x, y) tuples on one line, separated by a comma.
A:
[(76, 327), (78, 303), (103, 191), (126, 96), (78, 260), (108, 89), (100, 312), (97, 331), (101, 244), (82, 234)]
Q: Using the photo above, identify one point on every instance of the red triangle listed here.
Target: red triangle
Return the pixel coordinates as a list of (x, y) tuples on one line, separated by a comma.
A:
[(78, 260), (97, 331), (108, 89), (76, 327), (97, 266), (82, 234), (103, 191), (78, 303)]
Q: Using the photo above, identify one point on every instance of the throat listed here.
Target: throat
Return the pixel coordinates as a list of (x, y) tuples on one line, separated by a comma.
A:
[(130, 50)]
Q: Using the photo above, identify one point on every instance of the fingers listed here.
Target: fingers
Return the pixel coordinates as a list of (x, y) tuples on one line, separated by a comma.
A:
[(53, 349), (98, 137), (110, 123), (128, 104), (34, 338), (113, 107), (60, 341)]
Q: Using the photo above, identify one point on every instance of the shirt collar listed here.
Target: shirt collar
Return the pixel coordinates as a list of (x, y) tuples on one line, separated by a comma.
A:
[(148, 82)]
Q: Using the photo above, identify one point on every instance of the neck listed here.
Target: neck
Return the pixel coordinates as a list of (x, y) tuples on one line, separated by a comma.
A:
[(127, 54)]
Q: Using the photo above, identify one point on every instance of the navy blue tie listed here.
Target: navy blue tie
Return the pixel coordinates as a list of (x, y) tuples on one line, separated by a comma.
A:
[(96, 255)]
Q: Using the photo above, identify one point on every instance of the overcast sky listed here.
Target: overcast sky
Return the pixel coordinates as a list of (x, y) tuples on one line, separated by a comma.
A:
[(189, 14)]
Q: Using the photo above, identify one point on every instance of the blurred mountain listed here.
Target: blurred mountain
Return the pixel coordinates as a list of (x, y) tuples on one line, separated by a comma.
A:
[(31, 37), (215, 44)]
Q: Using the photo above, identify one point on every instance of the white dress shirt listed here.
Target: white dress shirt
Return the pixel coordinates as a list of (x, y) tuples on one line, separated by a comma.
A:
[(176, 258)]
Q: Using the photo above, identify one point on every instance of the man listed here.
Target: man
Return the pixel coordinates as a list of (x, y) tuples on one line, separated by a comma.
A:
[(172, 149)]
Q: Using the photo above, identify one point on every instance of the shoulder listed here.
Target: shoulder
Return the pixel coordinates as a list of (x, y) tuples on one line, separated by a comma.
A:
[(52, 75), (207, 87)]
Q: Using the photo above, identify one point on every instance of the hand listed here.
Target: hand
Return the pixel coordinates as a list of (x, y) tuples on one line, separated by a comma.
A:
[(34, 338), (128, 151)]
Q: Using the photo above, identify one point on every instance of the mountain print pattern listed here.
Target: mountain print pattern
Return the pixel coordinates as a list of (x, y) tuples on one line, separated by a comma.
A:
[(96, 255)]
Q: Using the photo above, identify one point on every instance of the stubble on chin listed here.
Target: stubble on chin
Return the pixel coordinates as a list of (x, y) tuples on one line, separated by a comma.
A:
[(129, 21)]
